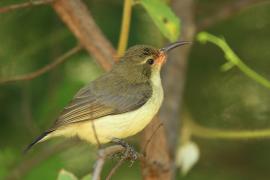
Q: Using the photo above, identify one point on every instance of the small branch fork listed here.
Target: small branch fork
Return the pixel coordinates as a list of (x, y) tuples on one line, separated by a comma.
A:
[(44, 69), (103, 154), (129, 154)]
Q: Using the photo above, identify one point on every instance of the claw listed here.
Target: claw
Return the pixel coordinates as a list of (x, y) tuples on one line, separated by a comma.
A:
[(129, 152)]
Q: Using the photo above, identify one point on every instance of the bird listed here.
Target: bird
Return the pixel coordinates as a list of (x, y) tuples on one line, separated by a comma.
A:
[(118, 104)]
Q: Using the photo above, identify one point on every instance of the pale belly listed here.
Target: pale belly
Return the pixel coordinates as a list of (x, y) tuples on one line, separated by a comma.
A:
[(121, 126)]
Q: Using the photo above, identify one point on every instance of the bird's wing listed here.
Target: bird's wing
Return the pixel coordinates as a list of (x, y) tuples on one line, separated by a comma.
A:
[(103, 97)]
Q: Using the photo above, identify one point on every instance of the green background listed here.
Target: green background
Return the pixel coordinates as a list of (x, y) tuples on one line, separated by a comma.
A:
[(33, 37)]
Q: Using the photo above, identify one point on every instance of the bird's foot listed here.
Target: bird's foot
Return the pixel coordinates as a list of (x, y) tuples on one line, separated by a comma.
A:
[(129, 153)]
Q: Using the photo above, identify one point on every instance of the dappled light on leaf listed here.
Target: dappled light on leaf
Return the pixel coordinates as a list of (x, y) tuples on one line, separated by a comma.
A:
[(164, 18), (65, 175)]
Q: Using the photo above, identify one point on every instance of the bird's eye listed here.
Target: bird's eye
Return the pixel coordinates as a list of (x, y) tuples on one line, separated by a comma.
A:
[(150, 61)]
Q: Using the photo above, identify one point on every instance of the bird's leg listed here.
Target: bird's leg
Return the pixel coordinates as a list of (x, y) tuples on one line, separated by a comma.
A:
[(95, 134), (129, 152)]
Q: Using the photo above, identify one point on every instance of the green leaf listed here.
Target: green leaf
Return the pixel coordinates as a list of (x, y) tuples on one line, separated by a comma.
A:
[(87, 177), (65, 175), (227, 66), (162, 15)]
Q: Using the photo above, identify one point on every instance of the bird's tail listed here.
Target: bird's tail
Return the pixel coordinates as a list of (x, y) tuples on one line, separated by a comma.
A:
[(40, 138)]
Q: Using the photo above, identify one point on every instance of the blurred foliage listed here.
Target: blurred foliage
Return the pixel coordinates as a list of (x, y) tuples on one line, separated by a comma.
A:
[(65, 175), (231, 100), (33, 37)]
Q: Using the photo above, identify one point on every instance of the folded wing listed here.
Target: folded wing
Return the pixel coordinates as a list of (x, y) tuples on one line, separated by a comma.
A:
[(106, 96)]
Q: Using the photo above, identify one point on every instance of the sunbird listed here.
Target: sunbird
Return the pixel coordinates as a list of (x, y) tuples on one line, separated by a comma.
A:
[(118, 104)]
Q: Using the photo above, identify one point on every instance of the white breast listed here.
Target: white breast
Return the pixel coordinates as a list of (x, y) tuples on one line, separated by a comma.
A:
[(120, 126)]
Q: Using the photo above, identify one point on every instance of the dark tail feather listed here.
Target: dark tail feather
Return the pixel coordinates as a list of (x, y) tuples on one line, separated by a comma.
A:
[(38, 139)]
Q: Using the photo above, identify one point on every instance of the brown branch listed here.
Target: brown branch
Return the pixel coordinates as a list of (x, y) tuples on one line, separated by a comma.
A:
[(160, 163), (109, 151), (156, 163), (102, 155), (79, 20), (226, 12), (150, 138), (45, 69), (113, 170), (24, 5)]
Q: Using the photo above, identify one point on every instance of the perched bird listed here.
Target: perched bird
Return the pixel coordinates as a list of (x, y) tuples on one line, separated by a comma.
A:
[(118, 104)]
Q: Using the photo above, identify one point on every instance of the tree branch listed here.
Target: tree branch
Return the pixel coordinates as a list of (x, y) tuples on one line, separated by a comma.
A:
[(159, 163), (113, 170), (156, 164), (45, 69), (226, 12), (102, 155), (150, 138), (24, 5), (79, 20)]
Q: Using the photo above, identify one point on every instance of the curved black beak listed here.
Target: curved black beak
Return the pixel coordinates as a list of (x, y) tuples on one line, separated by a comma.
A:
[(174, 45)]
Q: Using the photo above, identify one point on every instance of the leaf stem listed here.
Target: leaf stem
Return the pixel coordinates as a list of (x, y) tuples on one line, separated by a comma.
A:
[(123, 39), (213, 133), (232, 57)]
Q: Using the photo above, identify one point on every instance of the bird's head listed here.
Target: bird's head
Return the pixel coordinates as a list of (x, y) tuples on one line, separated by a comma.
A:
[(140, 62)]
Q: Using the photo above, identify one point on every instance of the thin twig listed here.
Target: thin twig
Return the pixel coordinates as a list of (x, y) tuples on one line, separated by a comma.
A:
[(24, 5), (102, 155), (45, 69), (151, 137), (227, 11), (98, 168), (123, 39), (95, 133), (113, 170)]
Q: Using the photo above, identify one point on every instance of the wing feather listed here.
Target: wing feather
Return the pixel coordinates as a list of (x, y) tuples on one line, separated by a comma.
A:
[(102, 98)]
